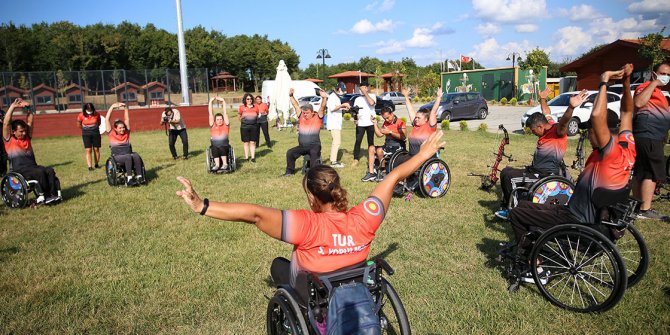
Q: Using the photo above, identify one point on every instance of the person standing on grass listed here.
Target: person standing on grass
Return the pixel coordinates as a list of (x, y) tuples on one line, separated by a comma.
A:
[(309, 129), (262, 122), (119, 144), (334, 122), (318, 235), (366, 104), (173, 119), (552, 143), (651, 123), (248, 116), (17, 136), (219, 128), (89, 123)]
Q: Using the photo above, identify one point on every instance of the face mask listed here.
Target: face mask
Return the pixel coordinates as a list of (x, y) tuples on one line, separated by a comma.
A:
[(88, 112), (663, 78)]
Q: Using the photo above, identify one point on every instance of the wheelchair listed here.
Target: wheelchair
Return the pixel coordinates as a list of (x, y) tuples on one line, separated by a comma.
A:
[(15, 189), (289, 312), (432, 179), (117, 174), (209, 160), (553, 189), (306, 163), (588, 267), (383, 167)]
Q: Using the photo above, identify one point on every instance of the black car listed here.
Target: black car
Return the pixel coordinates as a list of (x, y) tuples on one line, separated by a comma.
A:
[(351, 97), (469, 105)]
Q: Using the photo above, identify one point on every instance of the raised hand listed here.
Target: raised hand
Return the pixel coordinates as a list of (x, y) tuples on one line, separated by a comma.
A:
[(290, 92), (611, 75), (545, 93), (189, 195), (323, 94), (627, 70), (577, 99), (439, 93), (405, 92)]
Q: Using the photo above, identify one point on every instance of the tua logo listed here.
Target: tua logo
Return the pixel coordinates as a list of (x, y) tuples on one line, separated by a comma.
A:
[(340, 240)]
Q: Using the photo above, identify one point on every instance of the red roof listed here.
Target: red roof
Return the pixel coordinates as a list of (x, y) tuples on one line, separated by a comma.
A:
[(347, 74), (76, 86), (12, 88), (45, 87), (123, 85), (631, 43), (224, 75), (152, 84), (314, 80)]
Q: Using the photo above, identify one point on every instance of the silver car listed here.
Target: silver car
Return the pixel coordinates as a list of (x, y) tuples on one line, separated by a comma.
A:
[(395, 97)]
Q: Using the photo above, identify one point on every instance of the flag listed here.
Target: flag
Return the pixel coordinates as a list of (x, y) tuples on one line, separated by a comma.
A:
[(449, 66), (454, 65), (465, 59)]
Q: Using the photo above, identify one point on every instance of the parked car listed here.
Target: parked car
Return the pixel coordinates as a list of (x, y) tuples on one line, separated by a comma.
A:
[(559, 105), (316, 103), (618, 88), (350, 97), (302, 101), (461, 106), (395, 97)]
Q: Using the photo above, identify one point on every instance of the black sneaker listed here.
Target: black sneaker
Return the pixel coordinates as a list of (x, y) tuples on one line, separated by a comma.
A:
[(185, 157), (132, 182), (369, 177), (97, 166), (174, 158), (90, 168), (253, 160)]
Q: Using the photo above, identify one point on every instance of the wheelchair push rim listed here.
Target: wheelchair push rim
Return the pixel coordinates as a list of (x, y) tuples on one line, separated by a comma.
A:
[(633, 250), (392, 315), (208, 160), (555, 190), (435, 178), (14, 190), (282, 317), (111, 171), (582, 270)]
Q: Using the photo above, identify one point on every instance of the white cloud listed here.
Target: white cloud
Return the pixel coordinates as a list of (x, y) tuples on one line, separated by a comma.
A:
[(579, 13), (526, 28), (391, 47), (421, 38), (510, 11), (385, 6), (492, 54), (488, 29), (649, 6), (366, 27), (572, 39)]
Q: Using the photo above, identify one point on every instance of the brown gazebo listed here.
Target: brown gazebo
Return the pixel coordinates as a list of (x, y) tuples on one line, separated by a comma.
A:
[(351, 78), (225, 76), (393, 85)]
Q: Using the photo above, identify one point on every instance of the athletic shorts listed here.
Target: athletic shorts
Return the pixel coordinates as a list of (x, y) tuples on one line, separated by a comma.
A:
[(650, 160), (92, 140), (220, 151), (249, 133)]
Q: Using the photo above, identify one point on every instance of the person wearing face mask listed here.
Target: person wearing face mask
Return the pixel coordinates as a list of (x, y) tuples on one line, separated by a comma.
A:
[(651, 122), (89, 123)]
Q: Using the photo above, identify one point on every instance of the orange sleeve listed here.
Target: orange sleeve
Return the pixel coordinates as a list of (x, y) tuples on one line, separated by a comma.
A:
[(370, 213)]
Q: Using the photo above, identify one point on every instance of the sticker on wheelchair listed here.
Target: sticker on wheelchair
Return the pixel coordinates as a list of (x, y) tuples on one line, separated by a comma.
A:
[(435, 179), (15, 183), (553, 192)]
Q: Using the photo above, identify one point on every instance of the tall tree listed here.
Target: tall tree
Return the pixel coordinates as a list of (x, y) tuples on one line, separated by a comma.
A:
[(651, 49)]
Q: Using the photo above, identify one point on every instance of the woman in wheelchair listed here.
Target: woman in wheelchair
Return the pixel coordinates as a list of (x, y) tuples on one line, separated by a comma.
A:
[(17, 136), (326, 238), (119, 143), (394, 129), (219, 129)]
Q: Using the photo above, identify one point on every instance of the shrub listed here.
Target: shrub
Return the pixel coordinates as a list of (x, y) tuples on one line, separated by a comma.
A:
[(346, 116), (445, 124), (493, 102), (463, 125), (513, 101), (483, 127), (503, 101), (526, 131)]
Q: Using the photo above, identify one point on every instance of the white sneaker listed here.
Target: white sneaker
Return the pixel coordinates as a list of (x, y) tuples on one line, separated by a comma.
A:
[(40, 199), (544, 277)]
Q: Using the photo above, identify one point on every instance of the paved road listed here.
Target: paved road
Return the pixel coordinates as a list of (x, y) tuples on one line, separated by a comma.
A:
[(510, 117)]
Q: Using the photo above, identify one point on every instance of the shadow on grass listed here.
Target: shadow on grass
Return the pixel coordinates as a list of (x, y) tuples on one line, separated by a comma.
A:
[(264, 152), (61, 164), (8, 251), (153, 172), (75, 190), (195, 153), (667, 290)]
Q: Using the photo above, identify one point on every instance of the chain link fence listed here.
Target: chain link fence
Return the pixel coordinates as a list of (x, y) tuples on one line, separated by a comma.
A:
[(67, 91)]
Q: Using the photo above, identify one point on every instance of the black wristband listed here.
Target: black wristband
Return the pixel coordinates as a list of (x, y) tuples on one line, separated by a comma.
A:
[(205, 206), (602, 83)]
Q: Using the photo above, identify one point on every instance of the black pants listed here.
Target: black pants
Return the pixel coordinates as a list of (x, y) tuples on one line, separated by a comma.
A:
[(264, 127), (544, 216), (360, 131), (45, 176), (292, 154), (173, 139), (3, 160), (131, 162)]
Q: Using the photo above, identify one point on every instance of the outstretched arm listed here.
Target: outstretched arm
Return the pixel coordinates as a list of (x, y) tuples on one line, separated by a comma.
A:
[(126, 115), (432, 119), (108, 116), (6, 127), (384, 190), (210, 110), (267, 220), (296, 105), (226, 120), (599, 112), (626, 110), (575, 101), (408, 104), (543, 102)]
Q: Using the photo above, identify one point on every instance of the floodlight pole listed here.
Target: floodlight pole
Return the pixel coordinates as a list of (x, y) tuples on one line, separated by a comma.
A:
[(182, 58)]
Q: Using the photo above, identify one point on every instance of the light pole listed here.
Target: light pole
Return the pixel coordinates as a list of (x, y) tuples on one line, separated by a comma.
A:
[(323, 54), (515, 56)]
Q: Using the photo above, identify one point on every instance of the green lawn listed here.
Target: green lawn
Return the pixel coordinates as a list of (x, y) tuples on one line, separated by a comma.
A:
[(117, 260)]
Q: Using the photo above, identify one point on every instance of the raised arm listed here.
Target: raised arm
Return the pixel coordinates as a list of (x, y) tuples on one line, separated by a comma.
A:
[(210, 110), (642, 98), (267, 220), (599, 112), (408, 104), (384, 190), (575, 101), (226, 120), (30, 117), (324, 100), (6, 126), (626, 110), (543, 102), (295, 103), (432, 119)]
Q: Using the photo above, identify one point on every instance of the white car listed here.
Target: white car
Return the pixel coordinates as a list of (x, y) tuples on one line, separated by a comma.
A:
[(559, 105), (395, 97), (618, 88), (315, 102)]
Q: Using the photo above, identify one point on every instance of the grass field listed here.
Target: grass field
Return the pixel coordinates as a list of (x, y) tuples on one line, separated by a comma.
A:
[(116, 260)]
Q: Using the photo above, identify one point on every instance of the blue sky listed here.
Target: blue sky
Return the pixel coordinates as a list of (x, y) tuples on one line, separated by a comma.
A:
[(488, 30)]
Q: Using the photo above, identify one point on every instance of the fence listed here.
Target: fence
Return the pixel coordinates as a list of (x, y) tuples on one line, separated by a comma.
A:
[(68, 90)]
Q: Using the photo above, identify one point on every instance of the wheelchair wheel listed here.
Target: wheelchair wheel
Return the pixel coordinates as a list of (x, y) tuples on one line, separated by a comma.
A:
[(583, 271), (396, 159), (14, 190), (435, 178), (392, 315), (633, 250), (111, 171), (232, 162), (284, 316), (144, 172), (555, 190), (306, 163), (209, 161)]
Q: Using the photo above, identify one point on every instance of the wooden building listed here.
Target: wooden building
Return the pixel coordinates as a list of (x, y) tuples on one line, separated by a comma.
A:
[(75, 95), (8, 94), (126, 93), (351, 79), (44, 97), (154, 93), (393, 81)]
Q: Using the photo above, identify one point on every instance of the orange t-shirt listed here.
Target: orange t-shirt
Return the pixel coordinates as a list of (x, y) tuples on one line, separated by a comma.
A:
[(249, 115), (325, 242), (90, 123), (119, 144), (20, 152), (418, 135)]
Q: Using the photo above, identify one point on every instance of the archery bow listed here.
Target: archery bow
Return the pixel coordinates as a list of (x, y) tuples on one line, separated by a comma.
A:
[(578, 163), (489, 180)]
